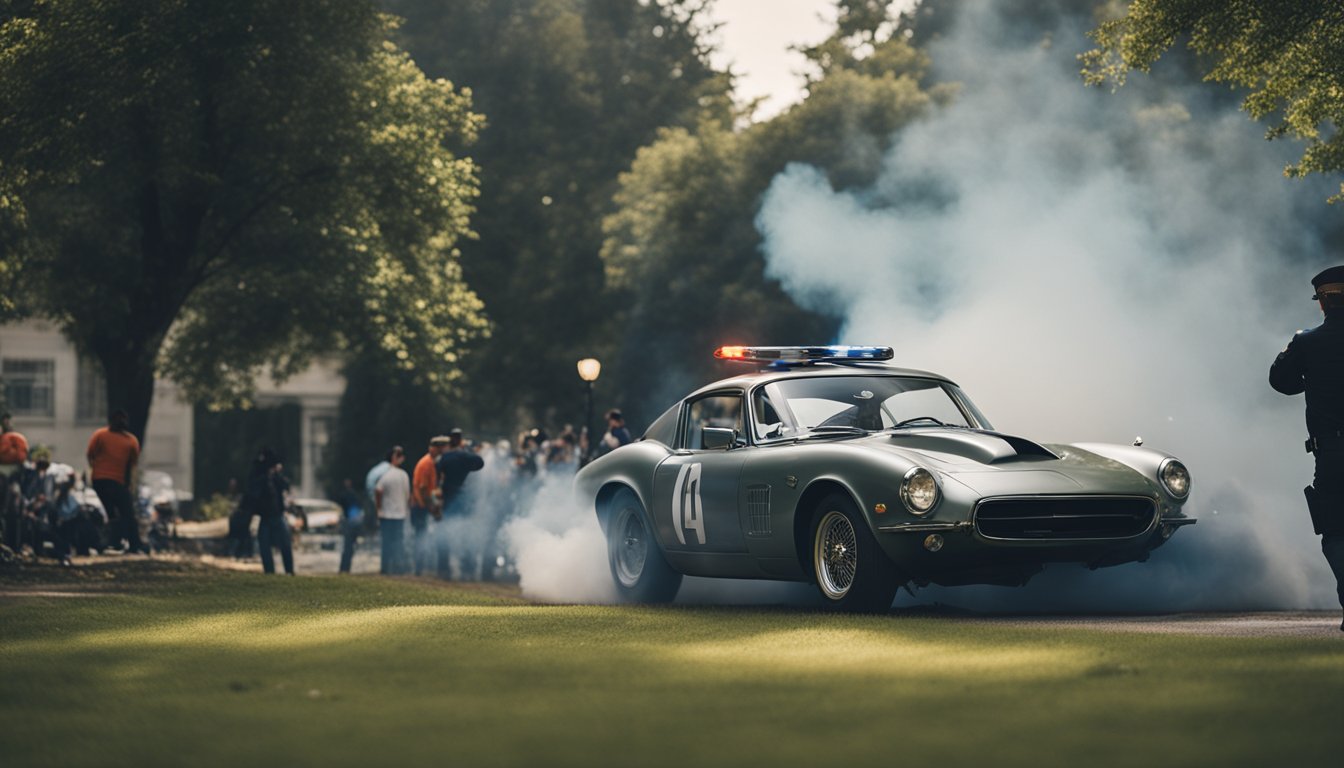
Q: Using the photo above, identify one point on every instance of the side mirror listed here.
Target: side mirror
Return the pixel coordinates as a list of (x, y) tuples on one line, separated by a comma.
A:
[(717, 438)]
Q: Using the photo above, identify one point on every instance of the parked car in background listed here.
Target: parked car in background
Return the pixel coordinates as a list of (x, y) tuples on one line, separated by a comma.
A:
[(316, 515)]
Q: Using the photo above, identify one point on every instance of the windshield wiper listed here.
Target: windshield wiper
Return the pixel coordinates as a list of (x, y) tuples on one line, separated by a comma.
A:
[(909, 422), (833, 430)]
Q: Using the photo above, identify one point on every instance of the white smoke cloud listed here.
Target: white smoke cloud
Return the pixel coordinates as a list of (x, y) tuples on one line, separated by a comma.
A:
[(1090, 267), (558, 547)]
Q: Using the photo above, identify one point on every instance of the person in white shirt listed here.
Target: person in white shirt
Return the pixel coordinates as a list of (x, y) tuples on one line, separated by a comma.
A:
[(391, 497)]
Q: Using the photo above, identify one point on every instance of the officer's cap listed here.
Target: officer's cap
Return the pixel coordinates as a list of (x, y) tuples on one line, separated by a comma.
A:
[(1329, 281)]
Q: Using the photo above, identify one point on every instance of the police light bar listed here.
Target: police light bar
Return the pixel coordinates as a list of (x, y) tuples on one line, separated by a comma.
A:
[(802, 354)]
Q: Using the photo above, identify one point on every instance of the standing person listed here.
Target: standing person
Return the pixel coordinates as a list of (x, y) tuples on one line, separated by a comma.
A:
[(240, 531), (391, 497), (375, 474), (265, 498), (1313, 363), (113, 452), (454, 465), (562, 453), (424, 498), (617, 433), (13, 452), (352, 522)]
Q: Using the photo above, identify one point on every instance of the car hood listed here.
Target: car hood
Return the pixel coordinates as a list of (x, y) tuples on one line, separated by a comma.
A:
[(992, 463)]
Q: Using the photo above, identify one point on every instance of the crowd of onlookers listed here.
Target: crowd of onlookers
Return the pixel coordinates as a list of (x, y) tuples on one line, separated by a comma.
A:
[(48, 503), (441, 515)]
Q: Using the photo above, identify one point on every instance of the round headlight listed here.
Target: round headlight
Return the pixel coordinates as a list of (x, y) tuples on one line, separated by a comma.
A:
[(1175, 478), (919, 491)]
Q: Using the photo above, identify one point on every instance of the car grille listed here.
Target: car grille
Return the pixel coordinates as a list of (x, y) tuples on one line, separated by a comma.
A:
[(1064, 517)]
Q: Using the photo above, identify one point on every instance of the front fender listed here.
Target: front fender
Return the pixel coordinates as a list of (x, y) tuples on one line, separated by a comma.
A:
[(630, 465)]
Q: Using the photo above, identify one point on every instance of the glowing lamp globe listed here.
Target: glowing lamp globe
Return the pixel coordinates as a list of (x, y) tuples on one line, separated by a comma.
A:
[(589, 369)]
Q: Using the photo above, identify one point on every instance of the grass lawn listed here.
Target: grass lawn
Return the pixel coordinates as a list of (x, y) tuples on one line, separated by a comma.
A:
[(177, 664)]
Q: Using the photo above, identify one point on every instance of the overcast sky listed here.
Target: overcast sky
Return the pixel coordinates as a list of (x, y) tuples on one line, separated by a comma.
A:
[(755, 37)]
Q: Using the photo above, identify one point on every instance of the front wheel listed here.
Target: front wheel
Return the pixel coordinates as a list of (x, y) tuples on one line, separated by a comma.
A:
[(852, 573), (638, 567)]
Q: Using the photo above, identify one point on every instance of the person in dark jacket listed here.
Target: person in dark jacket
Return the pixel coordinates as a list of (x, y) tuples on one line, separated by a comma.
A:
[(265, 498), (617, 433), (1313, 363), (454, 465), (352, 523)]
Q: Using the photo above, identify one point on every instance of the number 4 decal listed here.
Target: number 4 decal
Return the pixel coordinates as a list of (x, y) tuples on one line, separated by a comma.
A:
[(688, 513)]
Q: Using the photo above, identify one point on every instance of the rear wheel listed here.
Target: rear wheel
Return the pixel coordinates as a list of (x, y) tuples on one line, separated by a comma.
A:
[(638, 567), (852, 573)]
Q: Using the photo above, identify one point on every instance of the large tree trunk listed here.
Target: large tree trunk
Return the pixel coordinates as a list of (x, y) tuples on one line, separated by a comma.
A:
[(130, 382)]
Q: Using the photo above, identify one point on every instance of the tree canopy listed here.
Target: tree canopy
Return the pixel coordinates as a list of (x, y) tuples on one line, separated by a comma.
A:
[(570, 89), (1288, 57), (213, 190), (682, 250)]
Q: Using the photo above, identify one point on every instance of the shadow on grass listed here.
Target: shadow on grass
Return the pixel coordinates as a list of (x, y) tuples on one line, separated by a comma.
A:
[(192, 666)]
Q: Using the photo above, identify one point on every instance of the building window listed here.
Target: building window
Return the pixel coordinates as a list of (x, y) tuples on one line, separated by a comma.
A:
[(90, 393), (30, 388)]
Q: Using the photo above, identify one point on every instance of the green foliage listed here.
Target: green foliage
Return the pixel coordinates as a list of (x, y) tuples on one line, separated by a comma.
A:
[(216, 189), (571, 89), (682, 252), (1288, 57), (216, 507)]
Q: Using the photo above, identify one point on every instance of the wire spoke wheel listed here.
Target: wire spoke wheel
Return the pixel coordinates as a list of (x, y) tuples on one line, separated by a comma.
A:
[(629, 547), (836, 555), (638, 569)]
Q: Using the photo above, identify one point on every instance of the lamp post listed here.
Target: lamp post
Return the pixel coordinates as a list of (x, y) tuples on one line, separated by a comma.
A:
[(589, 369)]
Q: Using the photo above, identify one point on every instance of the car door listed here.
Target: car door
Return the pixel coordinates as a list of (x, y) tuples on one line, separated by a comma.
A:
[(695, 503)]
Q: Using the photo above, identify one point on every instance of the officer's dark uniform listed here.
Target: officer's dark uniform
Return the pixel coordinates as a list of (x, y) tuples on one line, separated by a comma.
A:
[(1314, 363)]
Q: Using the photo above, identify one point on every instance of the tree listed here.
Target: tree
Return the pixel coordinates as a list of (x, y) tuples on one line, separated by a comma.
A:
[(682, 248), (571, 89), (212, 190), (1289, 57)]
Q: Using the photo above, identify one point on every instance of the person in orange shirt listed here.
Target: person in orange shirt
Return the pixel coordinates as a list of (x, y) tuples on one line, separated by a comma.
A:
[(425, 500), (113, 452), (13, 452)]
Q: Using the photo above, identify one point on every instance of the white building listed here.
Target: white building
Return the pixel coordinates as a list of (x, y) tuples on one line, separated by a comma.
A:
[(58, 400)]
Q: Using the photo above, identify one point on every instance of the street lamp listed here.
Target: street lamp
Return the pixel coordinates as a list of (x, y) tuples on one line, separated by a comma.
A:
[(589, 370)]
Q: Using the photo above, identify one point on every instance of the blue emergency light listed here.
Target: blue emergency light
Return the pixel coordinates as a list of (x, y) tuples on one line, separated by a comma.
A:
[(802, 354)]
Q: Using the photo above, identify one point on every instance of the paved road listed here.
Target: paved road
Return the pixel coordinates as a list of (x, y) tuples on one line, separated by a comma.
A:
[(1262, 624)]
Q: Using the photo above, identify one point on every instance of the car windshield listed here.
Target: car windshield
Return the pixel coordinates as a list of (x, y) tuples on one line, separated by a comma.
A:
[(846, 405)]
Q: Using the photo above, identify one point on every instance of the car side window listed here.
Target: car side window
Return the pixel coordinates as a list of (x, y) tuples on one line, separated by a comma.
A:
[(722, 411), (769, 421)]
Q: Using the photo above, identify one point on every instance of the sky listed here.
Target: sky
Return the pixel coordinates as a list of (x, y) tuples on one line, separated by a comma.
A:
[(755, 37)]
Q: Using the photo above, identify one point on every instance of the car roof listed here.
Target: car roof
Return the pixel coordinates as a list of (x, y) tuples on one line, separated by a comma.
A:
[(811, 370)]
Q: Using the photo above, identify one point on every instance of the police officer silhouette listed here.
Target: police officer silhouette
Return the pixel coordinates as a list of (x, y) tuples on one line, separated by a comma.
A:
[(1313, 363)]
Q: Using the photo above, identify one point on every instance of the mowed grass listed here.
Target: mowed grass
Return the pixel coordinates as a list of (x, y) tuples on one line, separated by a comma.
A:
[(179, 665)]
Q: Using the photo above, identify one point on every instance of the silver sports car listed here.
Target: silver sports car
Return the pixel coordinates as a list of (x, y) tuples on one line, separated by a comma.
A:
[(832, 467)]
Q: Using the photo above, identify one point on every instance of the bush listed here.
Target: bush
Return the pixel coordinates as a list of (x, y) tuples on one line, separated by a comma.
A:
[(217, 506)]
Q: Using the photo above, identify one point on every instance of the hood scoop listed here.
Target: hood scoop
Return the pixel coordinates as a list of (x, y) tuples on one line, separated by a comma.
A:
[(978, 446)]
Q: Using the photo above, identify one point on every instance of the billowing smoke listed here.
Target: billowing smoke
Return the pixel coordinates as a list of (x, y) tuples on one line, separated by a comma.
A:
[(558, 547), (1091, 267)]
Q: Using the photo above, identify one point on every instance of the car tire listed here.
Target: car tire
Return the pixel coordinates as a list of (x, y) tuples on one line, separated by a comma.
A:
[(851, 571), (638, 568)]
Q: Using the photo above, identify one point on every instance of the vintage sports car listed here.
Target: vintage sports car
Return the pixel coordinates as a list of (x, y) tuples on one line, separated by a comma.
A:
[(830, 466)]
